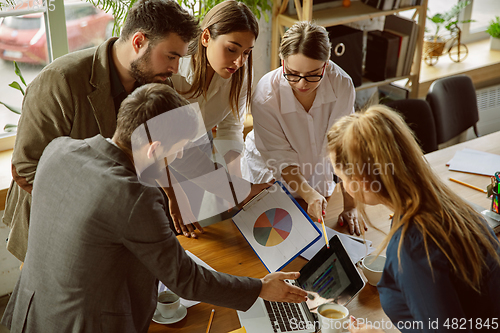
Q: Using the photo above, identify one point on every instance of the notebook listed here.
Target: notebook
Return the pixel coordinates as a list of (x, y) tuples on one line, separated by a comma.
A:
[(330, 276)]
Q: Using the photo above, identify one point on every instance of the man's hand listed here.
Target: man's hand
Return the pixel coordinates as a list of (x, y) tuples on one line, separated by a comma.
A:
[(316, 205), (275, 289), (187, 230), (21, 181)]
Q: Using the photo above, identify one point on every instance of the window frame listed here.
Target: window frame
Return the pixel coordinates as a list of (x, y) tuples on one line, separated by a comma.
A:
[(57, 42)]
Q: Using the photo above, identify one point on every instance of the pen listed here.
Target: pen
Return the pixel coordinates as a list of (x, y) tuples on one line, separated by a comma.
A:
[(320, 220), (210, 320), (468, 185)]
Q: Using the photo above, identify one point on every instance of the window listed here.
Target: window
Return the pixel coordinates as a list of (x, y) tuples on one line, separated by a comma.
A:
[(23, 39), (482, 11)]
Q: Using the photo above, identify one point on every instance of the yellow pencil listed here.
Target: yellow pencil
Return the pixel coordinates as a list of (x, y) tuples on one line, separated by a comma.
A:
[(468, 185), (320, 220), (210, 320)]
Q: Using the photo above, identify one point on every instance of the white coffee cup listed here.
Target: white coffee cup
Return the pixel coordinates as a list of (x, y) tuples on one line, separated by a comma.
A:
[(168, 303), (333, 318), (372, 267)]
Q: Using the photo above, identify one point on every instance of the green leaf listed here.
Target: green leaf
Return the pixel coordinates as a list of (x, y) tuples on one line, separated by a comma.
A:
[(12, 108), (17, 86), (10, 128), (18, 73)]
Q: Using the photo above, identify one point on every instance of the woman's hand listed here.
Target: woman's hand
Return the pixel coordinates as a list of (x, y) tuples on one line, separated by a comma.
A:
[(316, 205), (355, 327), (350, 217)]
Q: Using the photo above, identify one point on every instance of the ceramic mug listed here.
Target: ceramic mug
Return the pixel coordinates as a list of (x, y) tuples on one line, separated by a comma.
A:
[(333, 318), (168, 304), (372, 267)]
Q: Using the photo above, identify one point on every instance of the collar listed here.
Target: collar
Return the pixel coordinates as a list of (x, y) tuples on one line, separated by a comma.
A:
[(324, 93), (116, 84), (110, 150)]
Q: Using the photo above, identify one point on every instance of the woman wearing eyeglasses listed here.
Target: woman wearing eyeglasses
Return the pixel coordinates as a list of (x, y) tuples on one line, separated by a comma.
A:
[(293, 107)]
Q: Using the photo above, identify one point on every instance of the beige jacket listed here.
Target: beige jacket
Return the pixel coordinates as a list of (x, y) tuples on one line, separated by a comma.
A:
[(70, 97)]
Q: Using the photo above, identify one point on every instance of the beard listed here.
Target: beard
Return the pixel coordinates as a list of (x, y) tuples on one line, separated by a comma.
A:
[(141, 71)]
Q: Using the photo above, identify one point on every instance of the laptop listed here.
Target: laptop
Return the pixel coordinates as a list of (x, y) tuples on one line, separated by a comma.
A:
[(330, 276)]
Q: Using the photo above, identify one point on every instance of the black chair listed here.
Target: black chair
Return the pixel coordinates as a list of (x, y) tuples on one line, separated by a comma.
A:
[(418, 115), (454, 105)]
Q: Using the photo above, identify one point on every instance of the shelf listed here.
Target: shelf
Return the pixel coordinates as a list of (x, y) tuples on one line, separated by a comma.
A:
[(340, 15)]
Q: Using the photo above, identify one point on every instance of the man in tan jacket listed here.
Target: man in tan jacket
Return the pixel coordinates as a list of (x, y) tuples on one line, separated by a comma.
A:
[(78, 95)]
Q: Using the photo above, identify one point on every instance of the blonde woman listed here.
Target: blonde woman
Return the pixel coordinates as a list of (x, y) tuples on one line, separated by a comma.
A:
[(293, 107), (443, 264), (217, 74)]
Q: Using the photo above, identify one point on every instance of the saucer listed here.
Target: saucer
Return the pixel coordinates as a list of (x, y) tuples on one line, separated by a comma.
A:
[(179, 315)]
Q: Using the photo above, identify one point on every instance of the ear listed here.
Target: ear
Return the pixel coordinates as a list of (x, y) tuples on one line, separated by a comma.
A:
[(138, 41), (205, 37), (153, 147)]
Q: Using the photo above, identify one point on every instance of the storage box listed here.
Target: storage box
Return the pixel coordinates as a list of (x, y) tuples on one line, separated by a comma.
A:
[(347, 50)]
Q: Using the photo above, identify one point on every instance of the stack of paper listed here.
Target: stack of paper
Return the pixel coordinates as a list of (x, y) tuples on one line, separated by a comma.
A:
[(475, 161), (355, 247)]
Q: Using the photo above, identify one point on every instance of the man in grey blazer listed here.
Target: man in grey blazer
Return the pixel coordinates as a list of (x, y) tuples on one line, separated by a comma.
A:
[(78, 95), (99, 237)]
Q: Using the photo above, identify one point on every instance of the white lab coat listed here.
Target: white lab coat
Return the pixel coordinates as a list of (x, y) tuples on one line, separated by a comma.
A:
[(285, 134)]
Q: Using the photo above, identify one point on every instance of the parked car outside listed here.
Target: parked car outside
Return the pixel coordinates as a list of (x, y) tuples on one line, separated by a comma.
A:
[(23, 38)]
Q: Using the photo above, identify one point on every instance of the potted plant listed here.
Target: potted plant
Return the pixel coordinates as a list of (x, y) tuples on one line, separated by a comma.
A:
[(443, 24), (494, 31)]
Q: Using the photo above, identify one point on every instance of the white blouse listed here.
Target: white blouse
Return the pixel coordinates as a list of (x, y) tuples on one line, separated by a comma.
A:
[(215, 108), (286, 135)]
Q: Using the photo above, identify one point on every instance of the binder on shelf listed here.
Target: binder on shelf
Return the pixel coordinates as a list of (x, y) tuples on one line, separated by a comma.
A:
[(347, 50), (317, 5), (381, 55), (380, 4), (403, 25), (403, 47)]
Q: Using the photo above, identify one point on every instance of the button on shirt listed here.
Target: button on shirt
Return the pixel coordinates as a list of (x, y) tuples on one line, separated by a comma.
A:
[(215, 108), (286, 134)]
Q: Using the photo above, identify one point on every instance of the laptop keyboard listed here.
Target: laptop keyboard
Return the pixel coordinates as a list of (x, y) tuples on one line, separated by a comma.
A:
[(281, 313)]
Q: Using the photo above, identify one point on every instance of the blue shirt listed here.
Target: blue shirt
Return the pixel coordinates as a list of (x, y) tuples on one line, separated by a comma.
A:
[(418, 300)]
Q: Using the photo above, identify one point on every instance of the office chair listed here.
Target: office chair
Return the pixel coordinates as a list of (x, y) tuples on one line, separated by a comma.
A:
[(418, 115), (454, 105)]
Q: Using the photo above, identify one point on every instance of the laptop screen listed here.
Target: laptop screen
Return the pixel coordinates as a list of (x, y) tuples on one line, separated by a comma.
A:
[(330, 276)]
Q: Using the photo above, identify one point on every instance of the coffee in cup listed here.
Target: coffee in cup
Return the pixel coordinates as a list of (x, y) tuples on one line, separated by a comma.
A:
[(333, 318), (168, 303)]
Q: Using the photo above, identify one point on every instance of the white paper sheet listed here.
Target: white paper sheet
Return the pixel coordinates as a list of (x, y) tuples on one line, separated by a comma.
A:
[(475, 161), (185, 302), (353, 245)]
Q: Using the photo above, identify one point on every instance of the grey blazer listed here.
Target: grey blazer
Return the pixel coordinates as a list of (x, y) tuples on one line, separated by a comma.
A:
[(98, 240)]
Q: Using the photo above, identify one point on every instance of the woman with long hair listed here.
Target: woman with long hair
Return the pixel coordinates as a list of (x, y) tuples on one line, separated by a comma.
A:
[(293, 107), (217, 74), (443, 264)]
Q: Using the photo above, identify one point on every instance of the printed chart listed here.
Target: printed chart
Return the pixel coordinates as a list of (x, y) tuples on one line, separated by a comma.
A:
[(272, 227)]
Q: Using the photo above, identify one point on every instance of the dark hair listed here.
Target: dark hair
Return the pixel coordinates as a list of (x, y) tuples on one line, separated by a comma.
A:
[(158, 18), (147, 102), (308, 39), (224, 18)]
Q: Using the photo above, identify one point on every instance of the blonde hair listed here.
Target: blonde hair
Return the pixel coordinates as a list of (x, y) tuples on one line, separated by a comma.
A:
[(363, 142), (308, 39), (226, 17)]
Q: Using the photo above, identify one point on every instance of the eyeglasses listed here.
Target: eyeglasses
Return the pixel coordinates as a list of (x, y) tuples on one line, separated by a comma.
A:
[(309, 78)]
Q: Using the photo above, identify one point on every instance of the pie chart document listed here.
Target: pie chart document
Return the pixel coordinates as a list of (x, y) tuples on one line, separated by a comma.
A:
[(276, 227)]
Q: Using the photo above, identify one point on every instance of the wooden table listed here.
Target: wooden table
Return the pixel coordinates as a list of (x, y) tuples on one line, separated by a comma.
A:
[(225, 249)]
